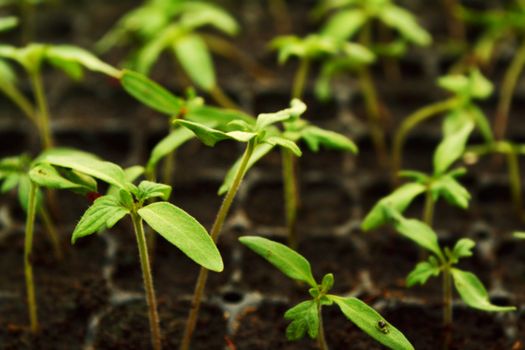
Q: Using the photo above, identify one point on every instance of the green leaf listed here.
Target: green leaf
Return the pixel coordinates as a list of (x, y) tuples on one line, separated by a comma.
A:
[(417, 231), (148, 189), (196, 60), (132, 173), (304, 318), (104, 213), (214, 115), (450, 189), (9, 182), (210, 136), (372, 323), (45, 175), (462, 249), (297, 107), (289, 262), (185, 232), (69, 53), (399, 200), (198, 14), (416, 176), (167, 145), (328, 282), (481, 87), (7, 23), (451, 148), (474, 293), (519, 235), (482, 123), (358, 54), (150, 93), (422, 272), (456, 83), (316, 137), (24, 186), (284, 143), (344, 24), (402, 20)]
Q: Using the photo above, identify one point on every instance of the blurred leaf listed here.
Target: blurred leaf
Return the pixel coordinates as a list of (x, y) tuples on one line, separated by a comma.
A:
[(284, 143), (462, 249), (316, 137), (452, 148), (345, 24), (167, 145), (402, 20), (193, 55)]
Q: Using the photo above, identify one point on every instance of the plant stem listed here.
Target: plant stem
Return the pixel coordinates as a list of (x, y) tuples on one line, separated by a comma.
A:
[(455, 26), (507, 91), (411, 122), (20, 101), (291, 195), (52, 233), (43, 111), (148, 281), (515, 182), (447, 305), (28, 267), (215, 231), (428, 210), (279, 11), (222, 99), (28, 13), (321, 340), (300, 78)]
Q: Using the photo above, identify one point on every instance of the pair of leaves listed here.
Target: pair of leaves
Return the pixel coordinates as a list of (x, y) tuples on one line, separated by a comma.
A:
[(473, 86)]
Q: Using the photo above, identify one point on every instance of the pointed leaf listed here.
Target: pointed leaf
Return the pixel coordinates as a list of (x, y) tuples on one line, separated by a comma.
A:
[(83, 57), (148, 189), (304, 319), (185, 232), (344, 24), (422, 272), (210, 136), (195, 58), (297, 107), (316, 137), (463, 248), (291, 263), (284, 143), (402, 20), (45, 175), (451, 148), (453, 192)]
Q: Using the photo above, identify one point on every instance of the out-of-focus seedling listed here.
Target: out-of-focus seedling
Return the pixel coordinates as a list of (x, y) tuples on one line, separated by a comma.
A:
[(174, 224), (70, 59), (173, 26), (306, 317), (443, 261), (519, 235)]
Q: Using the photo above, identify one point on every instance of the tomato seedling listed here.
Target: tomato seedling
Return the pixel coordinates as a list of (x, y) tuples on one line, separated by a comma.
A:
[(306, 317)]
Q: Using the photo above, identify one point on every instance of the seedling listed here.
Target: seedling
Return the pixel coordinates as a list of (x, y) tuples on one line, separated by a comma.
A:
[(443, 261), (460, 111), (441, 184), (351, 18), (306, 317), (519, 235), (160, 25), (500, 25), (171, 222), (70, 59)]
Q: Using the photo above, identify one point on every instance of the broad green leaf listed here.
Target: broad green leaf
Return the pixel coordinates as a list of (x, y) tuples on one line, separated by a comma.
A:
[(148, 189), (463, 248), (474, 293), (399, 200), (344, 24), (83, 57), (297, 107), (104, 213), (458, 84), (372, 323), (24, 187), (316, 137), (450, 189), (289, 262), (182, 230), (260, 151), (480, 86), (150, 93), (451, 148), (417, 231), (194, 57), (402, 20), (45, 175), (284, 143), (210, 136), (422, 272), (305, 318), (167, 145)]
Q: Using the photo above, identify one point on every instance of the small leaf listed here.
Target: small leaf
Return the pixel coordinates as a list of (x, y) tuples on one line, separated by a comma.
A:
[(451, 148), (315, 137), (7, 23), (328, 282), (344, 24), (183, 231), (104, 213), (304, 318), (481, 87), (450, 189), (422, 272), (167, 145), (148, 189), (474, 293), (456, 83), (24, 187), (368, 320), (297, 107), (195, 58), (402, 20), (216, 116), (519, 235), (150, 93), (399, 200), (463, 248), (284, 143), (289, 262), (210, 136)]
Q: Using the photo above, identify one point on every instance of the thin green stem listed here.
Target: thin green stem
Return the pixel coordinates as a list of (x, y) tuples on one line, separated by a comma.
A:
[(52, 233), (301, 77), (222, 99), (321, 339), (43, 110), (291, 195), (28, 266), (428, 210), (411, 122), (20, 101), (148, 281), (215, 231), (447, 305), (507, 91), (515, 183)]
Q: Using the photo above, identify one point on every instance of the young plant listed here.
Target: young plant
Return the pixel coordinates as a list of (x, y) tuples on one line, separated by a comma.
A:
[(160, 25), (259, 138), (443, 261), (460, 111), (441, 184), (171, 222), (349, 19), (70, 59), (306, 317)]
